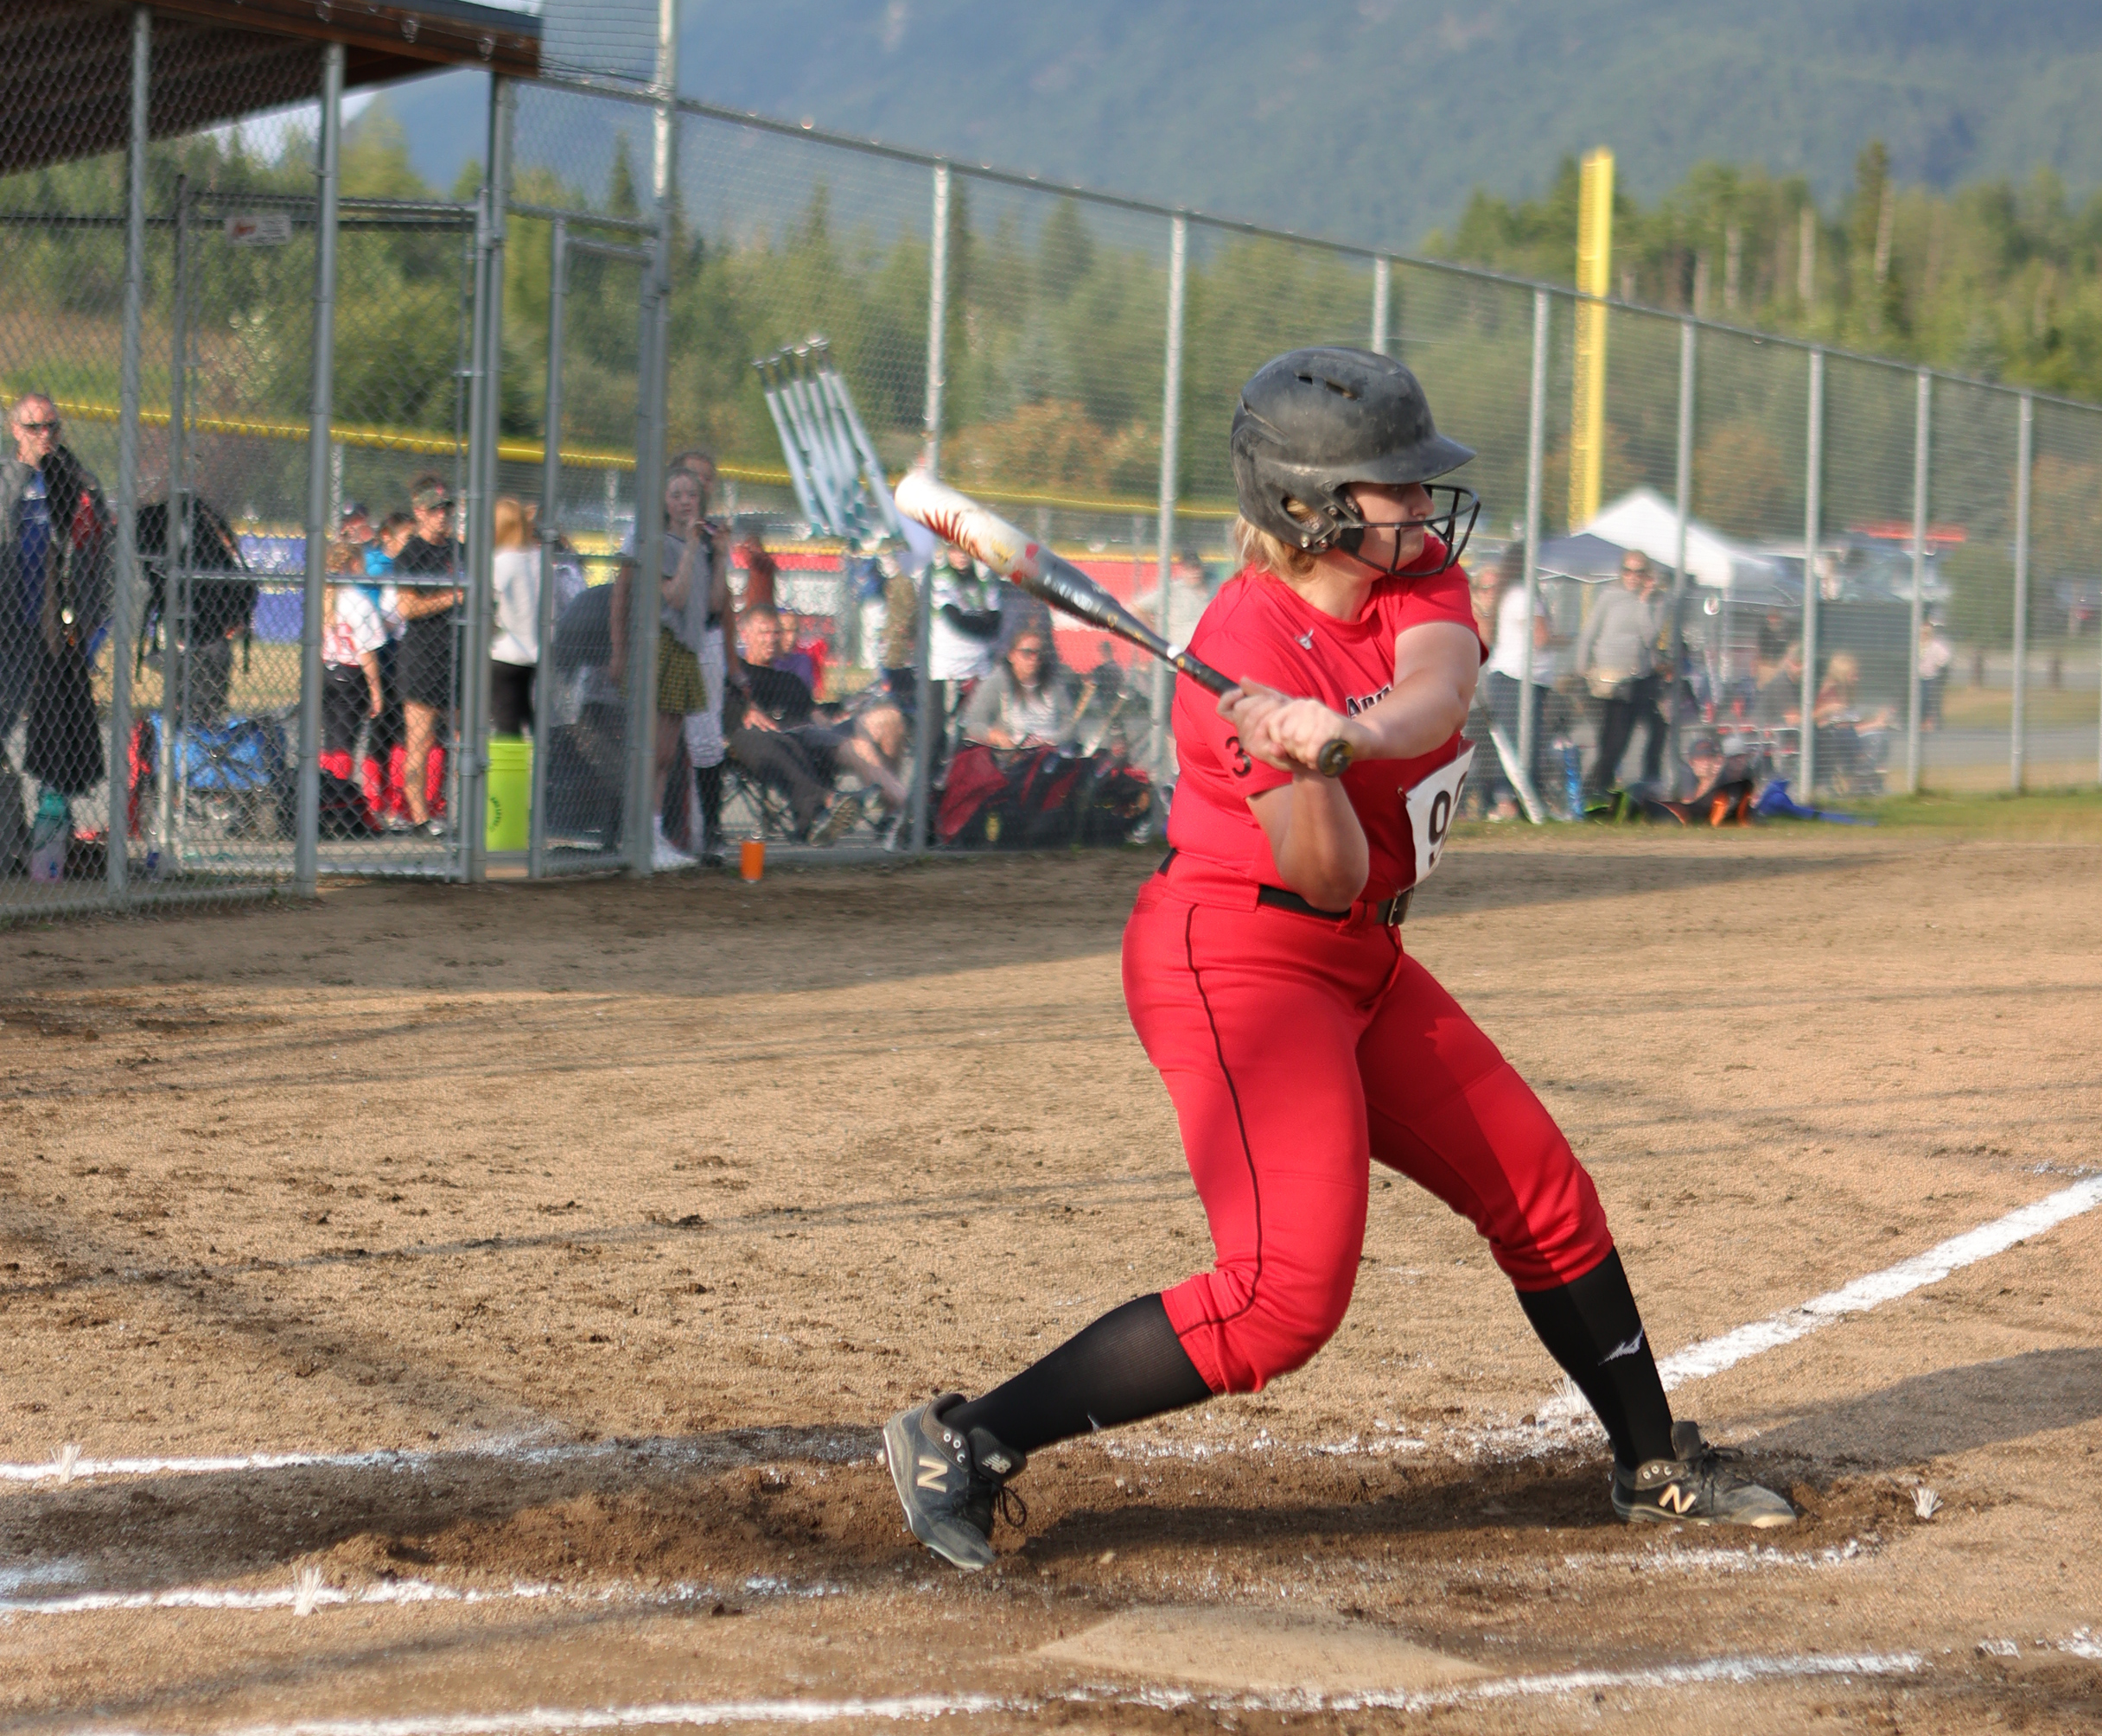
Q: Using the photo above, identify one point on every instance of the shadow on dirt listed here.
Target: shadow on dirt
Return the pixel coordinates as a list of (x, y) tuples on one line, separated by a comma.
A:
[(1954, 1410)]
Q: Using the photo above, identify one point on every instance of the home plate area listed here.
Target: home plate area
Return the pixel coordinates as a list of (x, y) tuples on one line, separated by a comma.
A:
[(494, 1336)]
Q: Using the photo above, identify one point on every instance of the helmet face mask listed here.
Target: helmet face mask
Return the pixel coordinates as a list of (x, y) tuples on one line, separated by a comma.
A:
[(1443, 521), (1312, 422)]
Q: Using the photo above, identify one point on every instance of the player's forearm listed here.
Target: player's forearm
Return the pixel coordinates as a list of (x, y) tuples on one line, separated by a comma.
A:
[(1316, 840), (1419, 716)]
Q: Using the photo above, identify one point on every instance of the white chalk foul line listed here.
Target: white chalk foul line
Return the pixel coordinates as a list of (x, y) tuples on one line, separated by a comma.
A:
[(916, 1707), (1711, 1670), (66, 1469), (1702, 1673), (305, 1598), (1712, 1356), (701, 1713), (768, 1447), (292, 1598)]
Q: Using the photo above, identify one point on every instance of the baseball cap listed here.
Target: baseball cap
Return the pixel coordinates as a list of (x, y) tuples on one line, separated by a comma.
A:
[(351, 509), (427, 499)]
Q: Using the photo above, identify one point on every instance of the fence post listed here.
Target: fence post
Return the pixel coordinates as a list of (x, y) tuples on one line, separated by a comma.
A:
[(1535, 452), (1383, 273), (1921, 446), (124, 591), (307, 850), (551, 535), (645, 609), (2025, 447), (175, 544), (1171, 433), (1813, 533), (480, 507), (937, 328), (646, 582), (1688, 341)]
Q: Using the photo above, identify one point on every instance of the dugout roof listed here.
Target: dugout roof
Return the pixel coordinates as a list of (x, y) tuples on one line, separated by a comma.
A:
[(66, 65)]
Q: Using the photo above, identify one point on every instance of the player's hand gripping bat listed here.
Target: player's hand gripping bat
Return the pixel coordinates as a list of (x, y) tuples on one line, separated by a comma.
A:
[(959, 519)]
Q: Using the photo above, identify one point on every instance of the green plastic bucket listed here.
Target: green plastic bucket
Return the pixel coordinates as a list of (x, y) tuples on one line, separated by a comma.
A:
[(510, 826)]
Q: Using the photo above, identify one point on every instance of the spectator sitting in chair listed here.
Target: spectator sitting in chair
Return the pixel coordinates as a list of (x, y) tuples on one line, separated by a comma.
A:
[(1027, 702), (1101, 704), (1853, 744), (793, 656), (1781, 695), (775, 733)]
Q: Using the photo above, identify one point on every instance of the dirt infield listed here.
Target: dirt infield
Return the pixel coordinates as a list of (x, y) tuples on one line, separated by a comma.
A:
[(568, 1243)]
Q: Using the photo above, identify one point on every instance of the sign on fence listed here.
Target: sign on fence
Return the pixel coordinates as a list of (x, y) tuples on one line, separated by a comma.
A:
[(260, 228)]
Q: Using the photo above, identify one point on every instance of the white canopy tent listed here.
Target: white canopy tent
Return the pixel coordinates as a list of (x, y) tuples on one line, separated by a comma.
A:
[(1644, 519)]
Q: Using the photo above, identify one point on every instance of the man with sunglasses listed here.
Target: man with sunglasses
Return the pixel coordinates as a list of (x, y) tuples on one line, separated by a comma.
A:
[(55, 578), (1616, 653)]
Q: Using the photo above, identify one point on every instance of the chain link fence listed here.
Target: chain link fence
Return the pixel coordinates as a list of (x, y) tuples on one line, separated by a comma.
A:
[(327, 500)]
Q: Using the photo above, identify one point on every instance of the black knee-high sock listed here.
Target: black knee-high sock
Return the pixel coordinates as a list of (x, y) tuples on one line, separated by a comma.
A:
[(1128, 1365), (1592, 1328)]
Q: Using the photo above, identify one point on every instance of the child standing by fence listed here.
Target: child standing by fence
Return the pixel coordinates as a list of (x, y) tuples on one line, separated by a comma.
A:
[(352, 633)]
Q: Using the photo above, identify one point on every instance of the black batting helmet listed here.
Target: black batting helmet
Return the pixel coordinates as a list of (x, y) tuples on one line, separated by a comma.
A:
[(1312, 422)]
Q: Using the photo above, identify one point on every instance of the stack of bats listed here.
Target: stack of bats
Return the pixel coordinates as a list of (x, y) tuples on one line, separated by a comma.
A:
[(838, 483)]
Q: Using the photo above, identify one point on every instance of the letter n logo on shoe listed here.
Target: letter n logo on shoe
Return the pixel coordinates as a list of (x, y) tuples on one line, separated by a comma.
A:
[(1676, 1497), (933, 1472)]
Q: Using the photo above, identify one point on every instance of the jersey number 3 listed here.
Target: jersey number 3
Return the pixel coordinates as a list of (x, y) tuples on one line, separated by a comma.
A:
[(1239, 755)]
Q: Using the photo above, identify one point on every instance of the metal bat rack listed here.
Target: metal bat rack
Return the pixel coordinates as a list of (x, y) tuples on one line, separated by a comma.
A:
[(838, 480)]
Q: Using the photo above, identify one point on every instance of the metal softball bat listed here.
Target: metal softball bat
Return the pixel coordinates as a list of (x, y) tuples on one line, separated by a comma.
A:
[(956, 518)]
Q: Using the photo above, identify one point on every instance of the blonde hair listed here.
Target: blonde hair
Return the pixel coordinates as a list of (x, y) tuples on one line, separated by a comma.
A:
[(1257, 548), (513, 522), (343, 561), (1843, 667)]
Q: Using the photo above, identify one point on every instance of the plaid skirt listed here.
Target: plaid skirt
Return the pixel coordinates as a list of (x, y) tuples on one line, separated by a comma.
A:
[(679, 686)]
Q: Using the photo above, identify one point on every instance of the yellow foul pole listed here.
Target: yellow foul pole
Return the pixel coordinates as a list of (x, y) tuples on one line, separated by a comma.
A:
[(1594, 276)]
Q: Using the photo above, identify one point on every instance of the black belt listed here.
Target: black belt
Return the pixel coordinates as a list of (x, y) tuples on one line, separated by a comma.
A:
[(1388, 914)]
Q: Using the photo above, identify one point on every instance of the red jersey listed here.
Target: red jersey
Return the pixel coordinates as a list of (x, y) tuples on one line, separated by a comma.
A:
[(1258, 628)]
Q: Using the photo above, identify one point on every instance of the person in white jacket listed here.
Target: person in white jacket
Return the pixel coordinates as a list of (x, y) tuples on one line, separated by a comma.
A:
[(514, 648)]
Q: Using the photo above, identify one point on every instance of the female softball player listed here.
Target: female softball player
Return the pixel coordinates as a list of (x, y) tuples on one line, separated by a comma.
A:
[(1264, 969)]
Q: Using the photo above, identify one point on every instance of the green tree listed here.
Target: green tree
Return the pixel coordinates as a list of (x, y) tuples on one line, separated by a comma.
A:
[(1981, 580)]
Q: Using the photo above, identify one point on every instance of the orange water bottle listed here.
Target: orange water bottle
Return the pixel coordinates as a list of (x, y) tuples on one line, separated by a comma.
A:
[(752, 858)]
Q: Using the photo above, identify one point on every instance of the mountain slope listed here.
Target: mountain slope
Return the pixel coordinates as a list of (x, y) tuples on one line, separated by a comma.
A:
[(1376, 116)]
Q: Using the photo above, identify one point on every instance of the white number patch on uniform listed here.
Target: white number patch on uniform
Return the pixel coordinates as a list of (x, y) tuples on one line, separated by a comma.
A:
[(1431, 806)]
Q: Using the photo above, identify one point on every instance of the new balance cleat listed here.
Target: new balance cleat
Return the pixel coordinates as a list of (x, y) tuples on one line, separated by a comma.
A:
[(1696, 1487), (950, 1482)]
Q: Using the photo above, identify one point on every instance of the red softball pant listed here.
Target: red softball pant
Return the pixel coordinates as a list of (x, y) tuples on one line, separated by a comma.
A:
[(1295, 1049)]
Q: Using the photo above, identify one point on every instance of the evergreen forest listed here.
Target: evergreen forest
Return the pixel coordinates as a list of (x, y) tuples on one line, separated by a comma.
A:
[(1054, 333)]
